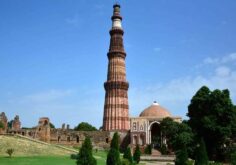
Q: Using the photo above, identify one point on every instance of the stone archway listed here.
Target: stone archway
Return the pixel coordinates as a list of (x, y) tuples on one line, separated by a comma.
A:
[(155, 135)]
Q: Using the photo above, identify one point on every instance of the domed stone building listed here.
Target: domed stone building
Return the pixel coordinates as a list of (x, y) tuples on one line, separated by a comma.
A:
[(145, 129)]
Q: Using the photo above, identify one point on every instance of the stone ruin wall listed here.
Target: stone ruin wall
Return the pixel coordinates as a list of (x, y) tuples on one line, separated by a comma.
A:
[(3, 120), (76, 138), (64, 135)]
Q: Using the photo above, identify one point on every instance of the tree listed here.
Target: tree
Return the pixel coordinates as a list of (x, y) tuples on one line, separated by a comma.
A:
[(176, 134), (212, 116), (127, 155), (181, 156), (183, 137), (233, 158), (85, 156), (201, 154), (51, 125), (10, 152), (113, 156), (137, 154), (1, 125), (84, 126), (115, 141), (9, 124)]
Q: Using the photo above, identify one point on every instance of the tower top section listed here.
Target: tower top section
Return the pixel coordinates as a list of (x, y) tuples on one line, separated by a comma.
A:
[(116, 17)]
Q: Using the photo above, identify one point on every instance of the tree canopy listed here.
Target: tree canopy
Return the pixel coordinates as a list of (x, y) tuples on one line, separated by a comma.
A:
[(178, 135), (84, 126), (212, 116)]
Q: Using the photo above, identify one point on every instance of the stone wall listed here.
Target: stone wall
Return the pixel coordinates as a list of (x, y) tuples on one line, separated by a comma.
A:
[(76, 138)]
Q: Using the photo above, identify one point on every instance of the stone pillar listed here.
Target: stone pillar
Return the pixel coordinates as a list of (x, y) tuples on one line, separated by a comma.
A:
[(63, 126), (16, 124)]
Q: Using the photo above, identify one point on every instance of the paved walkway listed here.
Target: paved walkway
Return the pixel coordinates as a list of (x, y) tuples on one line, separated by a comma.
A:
[(156, 163)]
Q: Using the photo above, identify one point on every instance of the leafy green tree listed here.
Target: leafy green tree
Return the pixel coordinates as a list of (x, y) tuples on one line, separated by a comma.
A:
[(9, 124), (201, 154), (127, 155), (137, 154), (181, 156), (113, 156), (84, 126), (1, 125), (183, 137), (51, 125), (85, 156), (213, 117), (176, 134)]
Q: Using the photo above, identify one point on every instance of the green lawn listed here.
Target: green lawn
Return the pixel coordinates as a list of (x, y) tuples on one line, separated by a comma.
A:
[(37, 160), (48, 160)]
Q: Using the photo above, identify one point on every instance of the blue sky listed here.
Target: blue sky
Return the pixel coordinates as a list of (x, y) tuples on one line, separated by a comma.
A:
[(53, 55)]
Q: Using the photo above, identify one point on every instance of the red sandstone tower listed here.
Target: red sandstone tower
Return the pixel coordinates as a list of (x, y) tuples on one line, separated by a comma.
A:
[(116, 108)]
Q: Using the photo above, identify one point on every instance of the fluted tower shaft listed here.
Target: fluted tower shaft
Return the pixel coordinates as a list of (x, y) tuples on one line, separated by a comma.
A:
[(116, 108)]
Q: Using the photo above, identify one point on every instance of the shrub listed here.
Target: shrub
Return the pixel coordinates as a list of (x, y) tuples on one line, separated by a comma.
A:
[(201, 154), (10, 152), (127, 155), (74, 156), (113, 156), (115, 141), (137, 154), (181, 157), (163, 149), (233, 158), (85, 156), (148, 149)]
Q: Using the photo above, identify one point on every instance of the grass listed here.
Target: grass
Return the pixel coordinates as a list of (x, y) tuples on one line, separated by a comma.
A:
[(25, 147), (28, 152), (49, 160), (37, 160)]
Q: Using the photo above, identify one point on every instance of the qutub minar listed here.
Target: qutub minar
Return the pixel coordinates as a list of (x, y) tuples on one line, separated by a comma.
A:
[(116, 108), (142, 130)]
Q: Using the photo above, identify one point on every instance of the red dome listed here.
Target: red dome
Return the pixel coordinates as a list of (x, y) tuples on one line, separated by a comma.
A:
[(155, 110)]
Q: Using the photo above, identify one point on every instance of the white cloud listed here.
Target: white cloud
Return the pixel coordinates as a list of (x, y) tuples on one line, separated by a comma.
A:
[(231, 57), (46, 96), (223, 60), (222, 71), (210, 60), (177, 93)]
